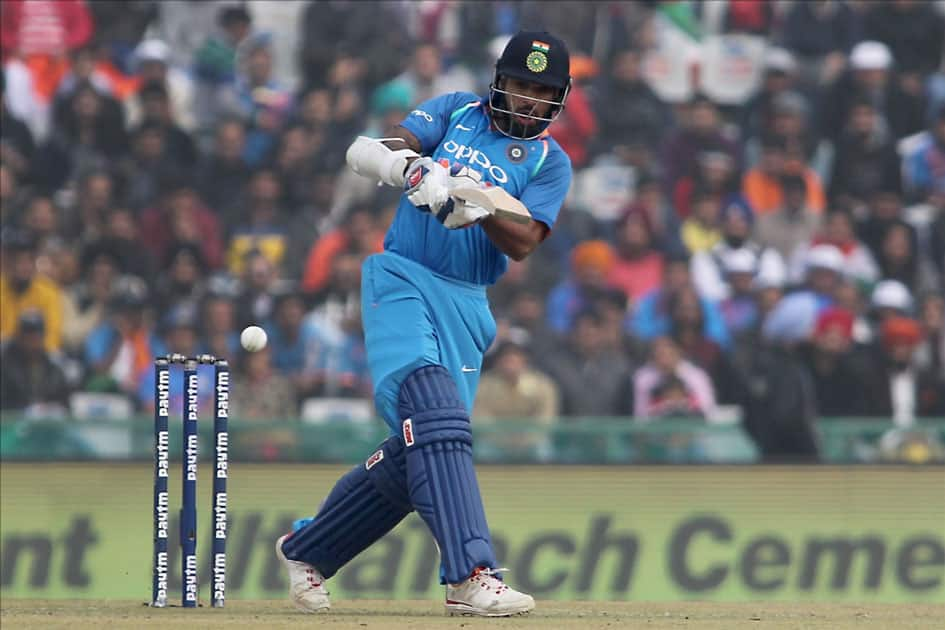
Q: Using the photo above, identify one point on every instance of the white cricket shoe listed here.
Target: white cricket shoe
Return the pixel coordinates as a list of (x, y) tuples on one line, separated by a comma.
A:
[(306, 585), (485, 595)]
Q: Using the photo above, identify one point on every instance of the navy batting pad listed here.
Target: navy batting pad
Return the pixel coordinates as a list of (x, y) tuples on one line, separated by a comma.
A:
[(369, 501), (440, 475)]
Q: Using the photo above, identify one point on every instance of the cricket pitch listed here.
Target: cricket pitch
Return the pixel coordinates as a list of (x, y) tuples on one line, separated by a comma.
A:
[(396, 615)]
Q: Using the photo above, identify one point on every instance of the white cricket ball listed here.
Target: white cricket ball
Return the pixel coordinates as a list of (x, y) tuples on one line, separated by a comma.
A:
[(253, 338)]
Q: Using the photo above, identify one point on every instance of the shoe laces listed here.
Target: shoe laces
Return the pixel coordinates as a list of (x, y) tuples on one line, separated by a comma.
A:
[(488, 578)]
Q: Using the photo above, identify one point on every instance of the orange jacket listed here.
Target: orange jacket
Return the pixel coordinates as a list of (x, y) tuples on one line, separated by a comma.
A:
[(764, 192)]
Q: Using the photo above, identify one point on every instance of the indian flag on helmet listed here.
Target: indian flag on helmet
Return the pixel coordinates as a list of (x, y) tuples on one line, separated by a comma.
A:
[(540, 46)]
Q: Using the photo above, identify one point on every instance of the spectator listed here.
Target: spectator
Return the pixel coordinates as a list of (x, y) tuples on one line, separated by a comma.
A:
[(179, 329), (866, 161), (669, 386), (151, 62), (90, 132), (778, 395), (915, 34), (793, 121), (701, 131), (763, 185), (121, 237), (516, 394), (156, 107), (425, 76), (259, 98), (663, 218), (651, 315), (338, 361), (41, 218), (687, 329), (527, 323), (822, 274), (32, 376), (793, 223), (701, 231), (857, 261), (890, 298), (779, 77), (294, 155), (16, 139), (37, 37), (90, 64), (359, 234), (215, 64), (219, 333), (638, 267), (23, 289), (361, 40), (292, 338), (576, 127), (895, 387), (627, 108), (85, 306), (259, 392), (708, 267), (714, 174), (768, 290), (611, 306), (260, 286), (590, 375), (591, 264), (835, 366), (95, 196), (937, 242), (821, 34), (740, 309), (181, 217), (182, 280), (224, 173), (898, 255), (885, 210), (120, 351), (262, 226), (147, 166), (930, 355), (871, 77), (924, 165)]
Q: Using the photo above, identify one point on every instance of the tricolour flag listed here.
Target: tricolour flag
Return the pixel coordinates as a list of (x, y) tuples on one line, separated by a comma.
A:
[(539, 45)]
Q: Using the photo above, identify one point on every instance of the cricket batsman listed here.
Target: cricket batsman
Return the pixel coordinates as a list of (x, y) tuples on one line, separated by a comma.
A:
[(427, 322)]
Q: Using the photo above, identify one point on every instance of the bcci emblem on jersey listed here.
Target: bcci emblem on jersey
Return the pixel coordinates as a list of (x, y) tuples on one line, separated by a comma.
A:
[(515, 153)]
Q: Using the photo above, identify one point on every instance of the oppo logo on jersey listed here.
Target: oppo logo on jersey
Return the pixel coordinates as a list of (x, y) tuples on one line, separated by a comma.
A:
[(476, 157)]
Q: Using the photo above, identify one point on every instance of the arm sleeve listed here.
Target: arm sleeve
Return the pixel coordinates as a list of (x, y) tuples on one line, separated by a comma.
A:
[(545, 193), (430, 120)]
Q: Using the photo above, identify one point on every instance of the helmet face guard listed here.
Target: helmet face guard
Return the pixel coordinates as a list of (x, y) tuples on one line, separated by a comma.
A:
[(504, 118)]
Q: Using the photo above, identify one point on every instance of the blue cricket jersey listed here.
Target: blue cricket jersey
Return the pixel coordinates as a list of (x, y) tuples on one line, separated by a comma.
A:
[(456, 127)]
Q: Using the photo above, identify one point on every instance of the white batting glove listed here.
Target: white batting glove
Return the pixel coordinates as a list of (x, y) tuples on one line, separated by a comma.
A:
[(458, 214), (427, 185), (455, 214)]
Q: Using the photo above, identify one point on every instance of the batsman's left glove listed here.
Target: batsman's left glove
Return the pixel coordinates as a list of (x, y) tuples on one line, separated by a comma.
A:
[(426, 184)]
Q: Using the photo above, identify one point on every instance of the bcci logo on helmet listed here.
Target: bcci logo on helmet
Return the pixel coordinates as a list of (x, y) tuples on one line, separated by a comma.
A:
[(536, 61)]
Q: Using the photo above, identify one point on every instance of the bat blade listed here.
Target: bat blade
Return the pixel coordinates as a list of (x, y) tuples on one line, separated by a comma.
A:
[(496, 200)]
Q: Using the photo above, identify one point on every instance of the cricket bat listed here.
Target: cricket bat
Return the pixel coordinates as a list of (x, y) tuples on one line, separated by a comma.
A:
[(496, 201)]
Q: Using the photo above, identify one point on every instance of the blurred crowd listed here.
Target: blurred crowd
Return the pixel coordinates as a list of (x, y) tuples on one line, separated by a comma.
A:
[(174, 171)]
